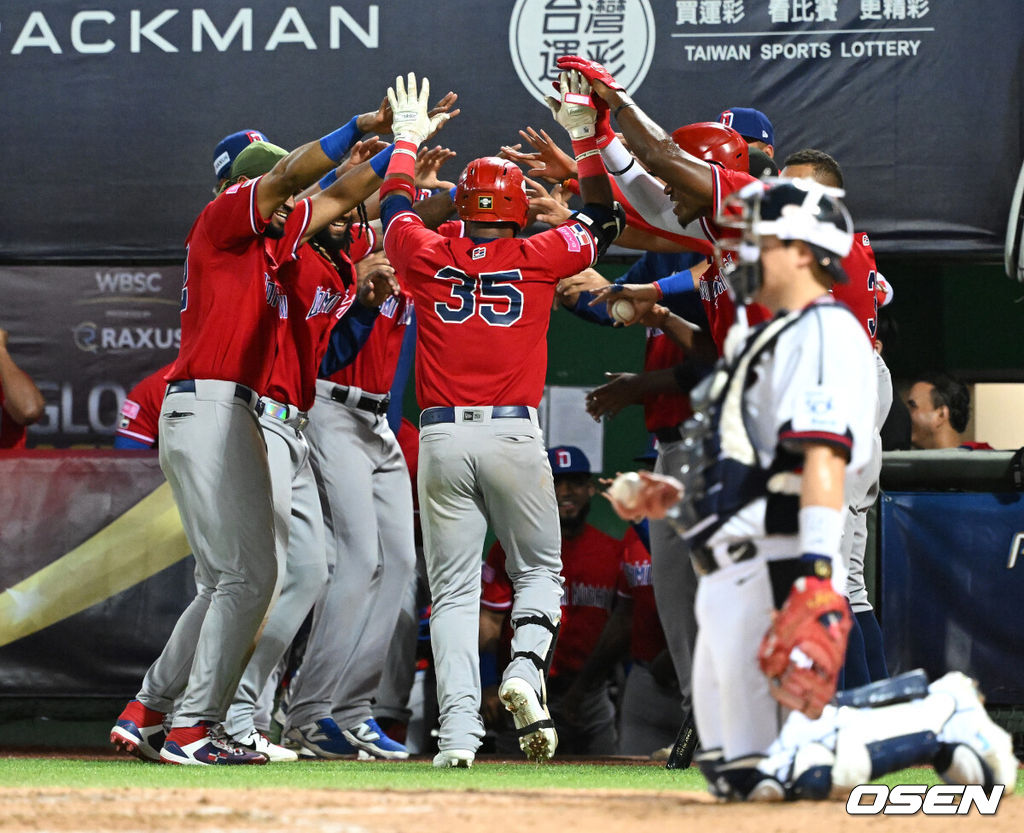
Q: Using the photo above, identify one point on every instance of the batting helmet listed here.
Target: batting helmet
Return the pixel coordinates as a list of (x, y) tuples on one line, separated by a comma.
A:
[(714, 142), (492, 190)]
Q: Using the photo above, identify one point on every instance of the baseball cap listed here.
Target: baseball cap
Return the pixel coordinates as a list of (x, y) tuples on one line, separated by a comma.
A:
[(256, 159), (229, 147), (751, 124), (568, 459)]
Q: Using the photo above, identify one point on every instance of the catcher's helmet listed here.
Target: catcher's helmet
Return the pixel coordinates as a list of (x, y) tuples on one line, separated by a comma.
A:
[(713, 142), (492, 190), (789, 209)]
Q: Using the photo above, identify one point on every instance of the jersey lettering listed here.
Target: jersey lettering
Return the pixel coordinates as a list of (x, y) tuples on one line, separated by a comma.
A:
[(276, 296), (490, 295), (324, 301), (872, 322), (184, 285)]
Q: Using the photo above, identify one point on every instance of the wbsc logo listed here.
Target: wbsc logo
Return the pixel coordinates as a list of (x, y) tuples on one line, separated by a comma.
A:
[(910, 799), (618, 34)]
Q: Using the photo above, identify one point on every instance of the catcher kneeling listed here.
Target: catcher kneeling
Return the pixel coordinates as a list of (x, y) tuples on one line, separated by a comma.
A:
[(781, 425)]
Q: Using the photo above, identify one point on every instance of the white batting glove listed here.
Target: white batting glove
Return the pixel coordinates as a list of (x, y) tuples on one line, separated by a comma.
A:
[(574, 110), (411, 120)]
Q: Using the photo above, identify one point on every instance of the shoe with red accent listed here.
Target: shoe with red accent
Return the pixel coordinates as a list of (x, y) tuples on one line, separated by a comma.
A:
[(139, 731), (199, 745)]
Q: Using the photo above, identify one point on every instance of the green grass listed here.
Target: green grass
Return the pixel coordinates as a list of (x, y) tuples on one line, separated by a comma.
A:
[(377, 775)]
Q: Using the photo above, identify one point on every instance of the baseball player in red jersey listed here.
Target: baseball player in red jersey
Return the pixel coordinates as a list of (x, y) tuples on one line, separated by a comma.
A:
[(651, 700), (140, 412), (591, 567), (367, 500), (788, 420), (866, 654), (695, 187), (21, 402), (483, 305), (233, 309)]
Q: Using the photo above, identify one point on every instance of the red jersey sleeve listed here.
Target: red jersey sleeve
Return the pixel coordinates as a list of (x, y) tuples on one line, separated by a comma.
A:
[(364, 238), (565, 249), (860, 294), (496, 591), (286, 247), (140, 412), (232, 218)]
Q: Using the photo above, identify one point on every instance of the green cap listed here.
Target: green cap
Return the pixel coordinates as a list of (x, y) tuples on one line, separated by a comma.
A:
[(255, 160)]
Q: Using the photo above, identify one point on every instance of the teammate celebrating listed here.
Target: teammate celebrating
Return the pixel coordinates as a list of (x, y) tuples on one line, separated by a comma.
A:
[(789, 420), (483, 305), (233, 310)]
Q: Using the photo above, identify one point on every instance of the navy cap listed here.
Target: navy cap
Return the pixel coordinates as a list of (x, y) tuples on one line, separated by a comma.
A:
[(567, 459), (751, 124), (229, 147), (650, 454)]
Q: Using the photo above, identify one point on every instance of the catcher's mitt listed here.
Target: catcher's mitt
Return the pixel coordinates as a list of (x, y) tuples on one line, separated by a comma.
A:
[(804, 649)]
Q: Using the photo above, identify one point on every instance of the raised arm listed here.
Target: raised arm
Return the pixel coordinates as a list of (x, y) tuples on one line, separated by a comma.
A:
[(22, 399)]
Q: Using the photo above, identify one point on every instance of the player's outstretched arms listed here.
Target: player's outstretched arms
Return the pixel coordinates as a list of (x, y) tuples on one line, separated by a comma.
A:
[(648, 141), (575, 110), (549, 162)]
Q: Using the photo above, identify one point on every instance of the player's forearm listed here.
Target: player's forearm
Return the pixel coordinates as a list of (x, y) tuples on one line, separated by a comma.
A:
[(645, 194), (352, 188), (612, 646), (22, 399), (822, 504), (656, 149), (435, 209)]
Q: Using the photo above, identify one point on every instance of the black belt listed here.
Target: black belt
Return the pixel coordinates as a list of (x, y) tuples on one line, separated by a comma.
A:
[(367, 402), (668, 435), (432, 416), (704, 561), (189, 386)]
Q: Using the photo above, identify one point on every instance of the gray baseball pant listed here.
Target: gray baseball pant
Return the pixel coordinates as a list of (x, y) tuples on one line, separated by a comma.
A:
[(674, 582), (213, 455), (471, 474), (366, 496), (302, 563)]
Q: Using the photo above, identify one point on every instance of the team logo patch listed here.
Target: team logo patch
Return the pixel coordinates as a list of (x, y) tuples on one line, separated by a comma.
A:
[(864, 240), (575, 236), (726, 118), (485, 203), (130, 409), (479, 252), (125, 422)]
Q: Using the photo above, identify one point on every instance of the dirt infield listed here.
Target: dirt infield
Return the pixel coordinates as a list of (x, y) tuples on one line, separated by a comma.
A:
[(336, 811)]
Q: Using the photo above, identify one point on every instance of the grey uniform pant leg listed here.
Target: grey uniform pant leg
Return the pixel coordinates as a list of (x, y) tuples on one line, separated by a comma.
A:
[(674, 582), (213, 455), (470, 475), (302, 564), (400, 666), (367, 503)]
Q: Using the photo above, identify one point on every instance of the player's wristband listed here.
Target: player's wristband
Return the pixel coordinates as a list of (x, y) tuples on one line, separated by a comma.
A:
[(340, 142), (588, 157), (821, 531), (451, 192), (380, 162), (659, 290), (329, 179), (403, 159)]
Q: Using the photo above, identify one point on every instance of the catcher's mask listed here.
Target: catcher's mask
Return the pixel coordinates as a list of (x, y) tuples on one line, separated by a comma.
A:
[(789, 209)]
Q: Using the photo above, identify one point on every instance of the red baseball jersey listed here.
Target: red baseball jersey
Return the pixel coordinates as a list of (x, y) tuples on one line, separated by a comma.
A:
[(647, 639), (140, 412), (318, 296), (591, 564), (232, 305), (483, 308), (718, 303), (665, 410), (373, 368), (861, 293), (12, 435)]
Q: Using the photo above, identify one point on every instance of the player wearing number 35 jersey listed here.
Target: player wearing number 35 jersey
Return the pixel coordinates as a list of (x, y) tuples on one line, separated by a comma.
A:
[(483, 304)]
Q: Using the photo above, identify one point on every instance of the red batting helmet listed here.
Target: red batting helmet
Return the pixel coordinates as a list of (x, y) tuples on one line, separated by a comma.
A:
[(714, 142), (492, 190)]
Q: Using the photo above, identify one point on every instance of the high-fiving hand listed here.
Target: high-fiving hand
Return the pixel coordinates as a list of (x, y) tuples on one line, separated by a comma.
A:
[(411, 119), (574, 110)]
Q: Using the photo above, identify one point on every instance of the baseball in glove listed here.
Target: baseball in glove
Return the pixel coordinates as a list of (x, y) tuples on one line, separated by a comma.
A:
[(804, 649)]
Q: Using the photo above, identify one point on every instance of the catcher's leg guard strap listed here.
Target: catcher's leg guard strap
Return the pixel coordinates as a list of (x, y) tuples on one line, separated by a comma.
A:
[(543, 663), (547, 723), (911, 685)]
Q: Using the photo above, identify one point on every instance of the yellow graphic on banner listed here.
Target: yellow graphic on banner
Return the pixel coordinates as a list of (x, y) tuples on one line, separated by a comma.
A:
[(140, 543)]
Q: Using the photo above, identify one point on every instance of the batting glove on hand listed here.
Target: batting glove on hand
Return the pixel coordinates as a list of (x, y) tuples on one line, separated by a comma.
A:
[(591, 70), (574, 110), (411, 120)]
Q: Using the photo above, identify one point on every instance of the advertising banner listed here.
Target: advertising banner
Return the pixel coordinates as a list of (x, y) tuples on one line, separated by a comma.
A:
[(86, 335), (93, 571), (952, 572), (112, 109)]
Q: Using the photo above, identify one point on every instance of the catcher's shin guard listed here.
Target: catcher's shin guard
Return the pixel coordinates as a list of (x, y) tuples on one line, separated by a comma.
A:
[(541, 658), (911, 685)]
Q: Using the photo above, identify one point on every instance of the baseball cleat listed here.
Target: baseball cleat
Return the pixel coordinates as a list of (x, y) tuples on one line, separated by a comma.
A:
[(321, 737), (977, 750), (370, 738), (139, 731), (454, 759), (536, 730), (256, 741), (199, 746)]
